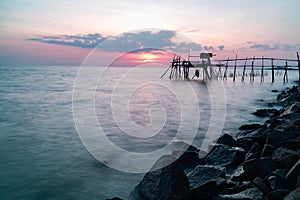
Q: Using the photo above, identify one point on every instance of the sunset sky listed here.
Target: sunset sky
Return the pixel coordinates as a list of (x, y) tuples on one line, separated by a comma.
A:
[(64, 32)]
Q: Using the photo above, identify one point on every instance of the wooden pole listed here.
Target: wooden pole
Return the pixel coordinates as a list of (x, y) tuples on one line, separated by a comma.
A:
[(262, 71), (252, 71), (225, 72), (285, 76), (234, 72), (273, 78), (244, 70), (298, 66)]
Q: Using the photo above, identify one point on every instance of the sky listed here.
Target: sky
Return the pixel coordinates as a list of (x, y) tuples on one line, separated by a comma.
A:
[(65, 32)]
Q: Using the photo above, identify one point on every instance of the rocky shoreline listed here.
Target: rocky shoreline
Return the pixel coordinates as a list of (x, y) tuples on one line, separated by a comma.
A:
[(261, 161)]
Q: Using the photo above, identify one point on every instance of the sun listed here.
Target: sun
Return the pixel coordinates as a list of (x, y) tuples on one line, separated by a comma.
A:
[(148, 57)]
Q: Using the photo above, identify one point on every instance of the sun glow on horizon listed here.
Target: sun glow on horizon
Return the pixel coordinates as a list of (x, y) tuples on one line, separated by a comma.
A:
[(148, 57)]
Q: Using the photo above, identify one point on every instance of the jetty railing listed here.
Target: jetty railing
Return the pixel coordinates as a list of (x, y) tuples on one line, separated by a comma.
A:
[(218, 69)]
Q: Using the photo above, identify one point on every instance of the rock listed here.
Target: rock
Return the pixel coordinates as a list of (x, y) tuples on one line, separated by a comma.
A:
[(238, 188), (260, 183), (204, 174), (277, 194), (259, 167), (274, 90), (266, 112), (237, 174), (205, 191), (251, 126), (293, 125), (274, 123), (251, 193), (228, 140), (189, 160), (225, 156), (277, 138), (277, 179), (169, 182), (292, 108), (254, 152), (246, 143), (292, 144), (267, 150), (285, 158), (258, 136), (293, 173), (293, 195), (115, 198)]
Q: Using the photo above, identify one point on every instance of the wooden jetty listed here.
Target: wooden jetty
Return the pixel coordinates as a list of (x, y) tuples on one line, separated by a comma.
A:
[(206, 69)]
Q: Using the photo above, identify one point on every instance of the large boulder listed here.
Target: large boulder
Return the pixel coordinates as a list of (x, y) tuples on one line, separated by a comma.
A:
[(285, 158), (277, 179), (259, 135), (251, 127), (277, 194), (259, 167), (225, 156), (251, 193), (266, 112), (293, 173), (228, 140), (167, 183), (293, 195), (278, 138)]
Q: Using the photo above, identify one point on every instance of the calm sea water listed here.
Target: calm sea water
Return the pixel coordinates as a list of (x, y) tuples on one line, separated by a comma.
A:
[(41, 154)]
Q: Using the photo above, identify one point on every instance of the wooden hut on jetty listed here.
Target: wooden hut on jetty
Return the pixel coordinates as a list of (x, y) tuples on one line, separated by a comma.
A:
[(206, 69)]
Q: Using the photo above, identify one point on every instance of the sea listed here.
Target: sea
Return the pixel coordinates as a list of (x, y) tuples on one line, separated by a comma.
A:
[(70, 132)]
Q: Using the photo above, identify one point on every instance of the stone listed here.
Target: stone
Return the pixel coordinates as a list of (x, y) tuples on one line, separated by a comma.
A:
[(277, 138), (169, 182), (293, 173), (245, 143), (266, 112), (259, 135), (115, 198), (251, 193), (285, 158), (292, 144), (267, 150), (203, 174), (251, 127), (274, 91), (260, 183), (277, 179), (293, 195), (205, 191), (277, 194), (293, 125), (254, 152), (225, 156), (238, 188), (259, 167), (228, 140)]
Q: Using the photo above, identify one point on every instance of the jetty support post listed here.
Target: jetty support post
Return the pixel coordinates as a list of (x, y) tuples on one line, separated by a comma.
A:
[(298, 66), (273, 74), (244, 70), (252, 71), (262, 70), (225, 72), (285, 76), (234, 72)]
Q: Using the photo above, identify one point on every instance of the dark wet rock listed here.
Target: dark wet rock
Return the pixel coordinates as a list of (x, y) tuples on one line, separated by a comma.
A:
[(251, 193), (245, 143), (277, 194), (293, 125), (285, 158), (237, 174), (293, 173), (237, 188), (251, 127), (205, 191), (228, 140), (225, 156), (274, 90), (294, 89), (267, 150), (266, 112), (169, 182), (115, 198), (259, 167), (260, 183), (189, 160), (293, 195), (254, 152), (204, 174), (258, 136), (292, 143), (277, 138), (277, 179), (292, 108), (274, 123)]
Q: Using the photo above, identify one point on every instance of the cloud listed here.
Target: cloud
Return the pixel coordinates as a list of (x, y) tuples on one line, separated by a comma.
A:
[(221, 47), (145, 41), (84, 41), (280, 47)]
